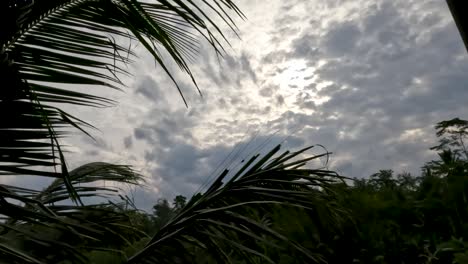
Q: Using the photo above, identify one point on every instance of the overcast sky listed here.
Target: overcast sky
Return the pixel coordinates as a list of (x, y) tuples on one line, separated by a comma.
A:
[(366, 79)]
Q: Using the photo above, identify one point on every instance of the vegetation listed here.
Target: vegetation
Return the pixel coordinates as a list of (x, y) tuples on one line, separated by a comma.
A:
[(385, 218), (273, 209)]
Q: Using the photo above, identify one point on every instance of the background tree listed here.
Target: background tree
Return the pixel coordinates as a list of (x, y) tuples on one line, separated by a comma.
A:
[(452, 135), (162, 213), (179, 202)]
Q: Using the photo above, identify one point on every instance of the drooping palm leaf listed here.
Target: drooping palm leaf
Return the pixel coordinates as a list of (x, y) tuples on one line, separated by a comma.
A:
[(227, 221), (51, 46), (88, 174), (45, 227)]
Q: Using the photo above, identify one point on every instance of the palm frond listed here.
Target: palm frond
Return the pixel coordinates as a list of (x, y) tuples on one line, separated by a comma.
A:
[(51, 46), (89, 174), (45, 227), (229, 216)]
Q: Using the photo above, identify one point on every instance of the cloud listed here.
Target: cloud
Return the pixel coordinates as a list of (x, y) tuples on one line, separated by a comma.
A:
[(340, 40), (279, 99), (305, 46), (266, 91), (128, 142), (247, 67)]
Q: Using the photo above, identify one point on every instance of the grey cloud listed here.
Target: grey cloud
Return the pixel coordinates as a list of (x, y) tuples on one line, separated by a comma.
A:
[(388, 81), (247, 67), (140, 133), (312, 86), (222, 103), (230, 71), (145, 198), (305, 46), (185, 167), (275, 57), (381, 13), (266, 92), (341, 39), (304, 100), (148, 88), (92, 153), (279, 99), (235, 100), (164, 127), (128, 142)]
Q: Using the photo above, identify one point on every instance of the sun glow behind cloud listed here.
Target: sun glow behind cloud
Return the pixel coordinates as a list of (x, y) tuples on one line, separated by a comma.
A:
[(293, 73), (296, 79)]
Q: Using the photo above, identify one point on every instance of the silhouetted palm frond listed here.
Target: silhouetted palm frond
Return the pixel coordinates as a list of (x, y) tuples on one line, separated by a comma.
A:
[(227, 222), (46, 227), (50, 47)]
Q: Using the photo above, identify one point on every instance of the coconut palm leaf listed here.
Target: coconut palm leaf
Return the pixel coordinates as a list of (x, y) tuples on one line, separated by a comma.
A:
[(227, 222), (51, 47), (46, 227)]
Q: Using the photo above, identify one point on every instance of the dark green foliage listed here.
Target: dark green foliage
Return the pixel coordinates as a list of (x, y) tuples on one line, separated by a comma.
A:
[(43, 226), (163, 212)]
